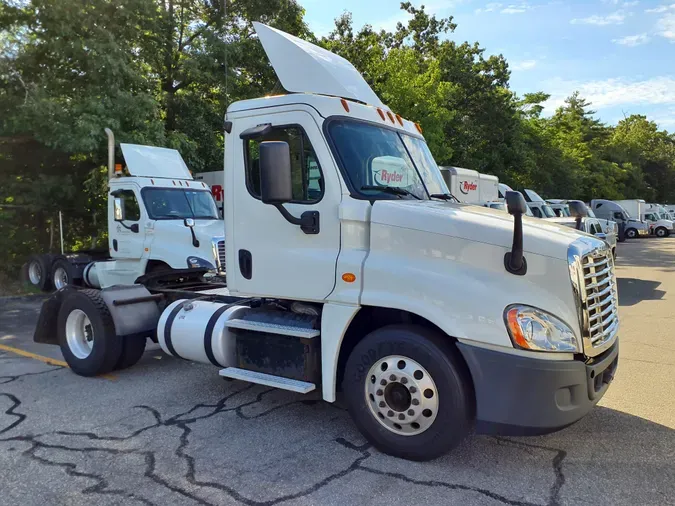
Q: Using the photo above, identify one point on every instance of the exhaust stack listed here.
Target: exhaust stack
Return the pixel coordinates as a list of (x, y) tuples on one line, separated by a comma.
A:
[(111, 153)]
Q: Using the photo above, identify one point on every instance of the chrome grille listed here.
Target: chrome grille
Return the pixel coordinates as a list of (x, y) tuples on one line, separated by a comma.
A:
[(600, 305), (221, 254)]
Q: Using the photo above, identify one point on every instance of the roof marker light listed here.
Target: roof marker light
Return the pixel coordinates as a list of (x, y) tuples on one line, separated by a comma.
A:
[(152, 181), (118, 169), (345, 104), (419, 128), (391, 117), (379, 111), (174, 183), (400, 120)]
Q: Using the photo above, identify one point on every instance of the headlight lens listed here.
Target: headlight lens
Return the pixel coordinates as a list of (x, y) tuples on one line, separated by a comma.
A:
[(533, 329)]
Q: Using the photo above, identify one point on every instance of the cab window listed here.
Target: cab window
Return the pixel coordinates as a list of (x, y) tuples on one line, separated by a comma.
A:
[(305, 170), (536, 212), (132, 211)]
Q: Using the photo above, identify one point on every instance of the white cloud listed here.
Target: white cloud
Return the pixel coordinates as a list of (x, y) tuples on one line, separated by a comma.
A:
[(613, 92), (516, 8), (666, 27), (665, 119), (632, 40), (631, 4), (660, 9), (524, 65), (491, 7), (615, 18)]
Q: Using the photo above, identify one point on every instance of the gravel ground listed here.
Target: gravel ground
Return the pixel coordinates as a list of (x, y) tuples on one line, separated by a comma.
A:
[(171, 432)]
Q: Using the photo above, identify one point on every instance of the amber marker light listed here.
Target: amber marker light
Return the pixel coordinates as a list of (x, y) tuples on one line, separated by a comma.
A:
[(348, 277)]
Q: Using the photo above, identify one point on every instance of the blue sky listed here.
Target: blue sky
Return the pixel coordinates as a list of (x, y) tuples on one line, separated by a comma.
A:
[(620, 54)]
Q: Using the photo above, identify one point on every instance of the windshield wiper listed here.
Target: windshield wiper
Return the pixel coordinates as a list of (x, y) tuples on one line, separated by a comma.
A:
[(444, 196), (391, 190)]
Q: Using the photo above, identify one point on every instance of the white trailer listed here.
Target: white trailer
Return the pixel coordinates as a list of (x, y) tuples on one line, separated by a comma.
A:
[(214, 180), (470, 186), (159, 219), (435, 318)]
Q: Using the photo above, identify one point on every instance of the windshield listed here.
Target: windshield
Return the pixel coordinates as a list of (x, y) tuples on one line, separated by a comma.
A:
[(176, 204), (373, 156), (548, 212)]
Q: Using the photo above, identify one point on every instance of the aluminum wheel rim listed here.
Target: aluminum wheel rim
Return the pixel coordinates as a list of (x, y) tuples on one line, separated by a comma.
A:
[(35, 273), (401, 395), (60, 278), (660, 232), (79, 334)]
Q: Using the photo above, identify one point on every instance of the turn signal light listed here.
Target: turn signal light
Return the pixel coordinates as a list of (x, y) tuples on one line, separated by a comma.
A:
[(348, 277)]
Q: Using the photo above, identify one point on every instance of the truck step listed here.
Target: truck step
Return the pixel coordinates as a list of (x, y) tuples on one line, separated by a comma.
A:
[(285, 329), (261, 378)]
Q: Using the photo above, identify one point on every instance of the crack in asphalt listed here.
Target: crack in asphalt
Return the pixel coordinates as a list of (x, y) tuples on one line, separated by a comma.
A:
[(179, 421), (13, 377)]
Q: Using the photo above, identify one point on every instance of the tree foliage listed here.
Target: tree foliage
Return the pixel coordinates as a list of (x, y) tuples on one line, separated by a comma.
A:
[(163, 72)]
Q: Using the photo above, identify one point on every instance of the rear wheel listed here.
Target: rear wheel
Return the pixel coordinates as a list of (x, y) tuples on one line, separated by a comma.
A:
[(132, 351), (631, 233), (87, 335), (39, 272), (62, 273), (407, 392)]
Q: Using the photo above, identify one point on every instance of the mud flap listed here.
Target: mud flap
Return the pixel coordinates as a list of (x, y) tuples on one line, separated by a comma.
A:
[(45, 330)]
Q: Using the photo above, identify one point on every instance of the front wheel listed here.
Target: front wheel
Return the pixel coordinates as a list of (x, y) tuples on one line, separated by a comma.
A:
[(408, 392), (631, 233), (661, 232)]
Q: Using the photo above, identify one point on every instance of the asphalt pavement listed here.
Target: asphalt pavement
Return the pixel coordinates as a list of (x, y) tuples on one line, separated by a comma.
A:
[(170, 432)]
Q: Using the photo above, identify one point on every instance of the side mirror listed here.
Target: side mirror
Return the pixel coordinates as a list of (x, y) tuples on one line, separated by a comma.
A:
[(189, 222), (578, 210), (118, 205), (276, 185), (514, 261), (515, 203)]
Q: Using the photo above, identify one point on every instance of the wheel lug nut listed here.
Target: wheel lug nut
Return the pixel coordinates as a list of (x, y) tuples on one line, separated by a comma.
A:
[(390, 413), (382, 404), (413, 390), (392, 377), (411, 412), (383, 382), (404, 380), (401, 416), (379, 392), (415, 402)]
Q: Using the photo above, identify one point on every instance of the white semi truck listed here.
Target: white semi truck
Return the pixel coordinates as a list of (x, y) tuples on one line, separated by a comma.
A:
[(638, 209), (159, 218), (434, 318)]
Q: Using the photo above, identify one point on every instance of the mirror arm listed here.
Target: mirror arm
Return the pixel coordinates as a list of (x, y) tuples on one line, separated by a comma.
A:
[(133, 227), (514, 261), (195, 241), (578, 222), (308, 221)]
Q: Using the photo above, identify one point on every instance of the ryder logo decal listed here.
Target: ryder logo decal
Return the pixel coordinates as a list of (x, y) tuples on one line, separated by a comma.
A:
[(467, 187)]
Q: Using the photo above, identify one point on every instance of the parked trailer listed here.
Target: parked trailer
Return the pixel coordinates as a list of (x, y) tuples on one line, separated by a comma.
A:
[(470, 186), (159, 218), (420, 308)]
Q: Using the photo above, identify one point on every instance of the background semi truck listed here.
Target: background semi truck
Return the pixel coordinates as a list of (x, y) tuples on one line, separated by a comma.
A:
[(610, 210), (159, 218), (434, 318), (638, 209)]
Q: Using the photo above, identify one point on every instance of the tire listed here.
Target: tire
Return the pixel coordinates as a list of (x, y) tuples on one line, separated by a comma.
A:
[(445, 378), (631, 233), (86, 333), (39, 272), (62, 273), (132, 351), (661, 232)]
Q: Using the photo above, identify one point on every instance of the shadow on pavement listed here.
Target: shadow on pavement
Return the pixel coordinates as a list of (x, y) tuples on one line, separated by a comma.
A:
[(634, 290), (651, 252)]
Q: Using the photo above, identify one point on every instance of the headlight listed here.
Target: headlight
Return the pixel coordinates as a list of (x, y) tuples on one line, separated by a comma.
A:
[(533, 329)]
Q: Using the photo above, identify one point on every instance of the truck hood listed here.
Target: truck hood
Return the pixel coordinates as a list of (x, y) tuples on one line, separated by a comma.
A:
[(206, 230), (476, 223)]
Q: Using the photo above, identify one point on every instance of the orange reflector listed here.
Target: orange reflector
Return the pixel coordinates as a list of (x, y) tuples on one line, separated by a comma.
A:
[(348, 277), (419, 128), (118, 168), (391, 116), (400, 120), (514, 327), (146, 249), (379, 111), (345, 104)]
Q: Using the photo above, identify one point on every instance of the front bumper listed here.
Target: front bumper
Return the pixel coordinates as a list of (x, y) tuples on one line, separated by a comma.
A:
[(520, 396)]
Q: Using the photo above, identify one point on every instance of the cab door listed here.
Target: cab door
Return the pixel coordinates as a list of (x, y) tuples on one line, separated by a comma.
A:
[(126, 236), (271, 256)]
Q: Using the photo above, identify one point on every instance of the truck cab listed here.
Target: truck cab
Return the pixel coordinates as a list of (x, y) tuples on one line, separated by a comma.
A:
[(658, 220), (613, 211), (560, 207), (539, 207), (351, 267)]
